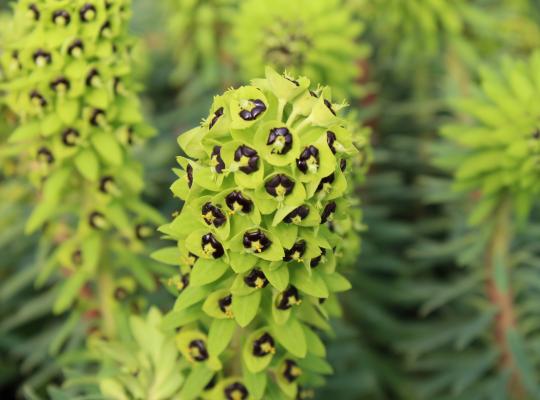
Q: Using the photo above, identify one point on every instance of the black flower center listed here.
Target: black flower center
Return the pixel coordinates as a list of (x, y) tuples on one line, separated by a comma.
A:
[(237, 202), (97, 117), (291, 371), (60, 84), (293, 81), (256, 241), (296, 252), (256, 279), (213, 215), (192, 259), (143, 231), (258, 107), (225, 305), (76, 257), (42, 57), (326, 183), (120, 293), (328, 212), (189, 175), (87, 12), (211, 247), (288, 298), (92, 77), (331, 139), (105, 29), (216, 161), (280, 139), (75, 48), (15, 61), (279, 186), (96, 220), (264, 345), (309, 160), (45, 155), (329, 106), (185, 281), (317, 260), (34, 11), (236, 391), (117, 84), (106, 184), (61, 17), (70, 136), (211, 384), (247, 158), (197, 350), (217, 114), (297, 215), (38, 99)]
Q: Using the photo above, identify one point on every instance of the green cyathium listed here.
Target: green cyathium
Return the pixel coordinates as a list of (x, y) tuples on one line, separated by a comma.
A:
[(67, 76), (264, 182), (317, 39)]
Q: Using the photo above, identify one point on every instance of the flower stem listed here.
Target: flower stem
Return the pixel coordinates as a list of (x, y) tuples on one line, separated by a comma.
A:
[(236, 346), (106, 303), (499, 292)]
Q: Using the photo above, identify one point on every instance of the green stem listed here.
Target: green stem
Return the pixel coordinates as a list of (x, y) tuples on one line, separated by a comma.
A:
[(496, 260), (106, 303), (236, 346)]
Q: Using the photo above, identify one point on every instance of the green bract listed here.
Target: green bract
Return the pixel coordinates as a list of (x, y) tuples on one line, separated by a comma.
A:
[(265, 183), (145, 367), (312, 38), (67, 77), (499, 150)]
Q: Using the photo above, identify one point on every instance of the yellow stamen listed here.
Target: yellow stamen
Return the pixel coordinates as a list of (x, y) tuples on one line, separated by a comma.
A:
[(295, 371), (268, 348), (281, 191), (209, 217), (256, 246), (208, 249)]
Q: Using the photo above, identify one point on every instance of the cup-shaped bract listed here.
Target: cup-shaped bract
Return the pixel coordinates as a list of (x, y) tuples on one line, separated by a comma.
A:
[(67, 76), (264, 182), (317, 39), (498, 147)]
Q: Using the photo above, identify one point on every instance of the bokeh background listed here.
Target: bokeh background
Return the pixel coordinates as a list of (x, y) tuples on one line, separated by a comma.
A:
[(417, 323)]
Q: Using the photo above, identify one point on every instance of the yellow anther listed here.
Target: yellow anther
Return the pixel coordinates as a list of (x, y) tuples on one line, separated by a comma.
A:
[(280, 191), (209, 217), (208, 249), (257, 246), (268, 348)]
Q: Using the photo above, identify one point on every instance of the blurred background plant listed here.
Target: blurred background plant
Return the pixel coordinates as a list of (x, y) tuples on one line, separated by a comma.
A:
[(419, 322)]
